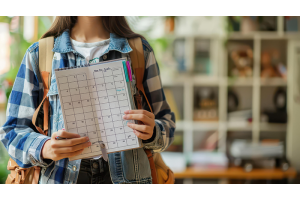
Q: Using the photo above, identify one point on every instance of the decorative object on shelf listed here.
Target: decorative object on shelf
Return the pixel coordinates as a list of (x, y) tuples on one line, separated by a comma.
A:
[(280, 114), (239, 118), (267, 23), (170, 24), (233, 101), (248, 24), (282, 70), (209, 160), (274, 117), (242, 56), (280, 99), (269, 61), (208, 141), (179, 54), (202, 57), (264, 154), (205, 105), (291, 23)]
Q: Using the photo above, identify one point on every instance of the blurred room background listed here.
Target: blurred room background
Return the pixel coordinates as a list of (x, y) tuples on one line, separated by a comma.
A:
[(232, 83)]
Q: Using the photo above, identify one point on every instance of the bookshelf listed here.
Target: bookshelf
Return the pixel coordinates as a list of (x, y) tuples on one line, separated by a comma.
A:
[(252, 88)]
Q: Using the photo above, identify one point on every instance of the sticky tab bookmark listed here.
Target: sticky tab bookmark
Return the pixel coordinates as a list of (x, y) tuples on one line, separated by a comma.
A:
[(129, 70), (104, 152), (125, 71)]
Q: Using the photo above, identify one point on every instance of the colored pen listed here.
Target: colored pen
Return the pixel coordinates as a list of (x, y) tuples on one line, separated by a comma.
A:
[(129, 70)]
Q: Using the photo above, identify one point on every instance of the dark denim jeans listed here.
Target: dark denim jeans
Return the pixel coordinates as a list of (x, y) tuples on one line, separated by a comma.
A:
[(94, 172)]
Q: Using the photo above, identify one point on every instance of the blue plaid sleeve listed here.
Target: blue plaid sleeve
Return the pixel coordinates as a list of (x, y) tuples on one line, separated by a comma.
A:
[(164, 118), (18, 134)]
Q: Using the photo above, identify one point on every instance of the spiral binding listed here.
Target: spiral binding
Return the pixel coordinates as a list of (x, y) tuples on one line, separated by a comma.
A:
[(73, 67)]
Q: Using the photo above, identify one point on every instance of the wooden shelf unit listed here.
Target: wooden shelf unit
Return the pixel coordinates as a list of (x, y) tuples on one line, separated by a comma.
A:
[(222, 81), (236, 173)]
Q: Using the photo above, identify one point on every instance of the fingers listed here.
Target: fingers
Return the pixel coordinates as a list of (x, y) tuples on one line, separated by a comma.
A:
[(145, 112), (143, 136), (69, 142), (141, 128), (68, 155), (71, 149), (140, 117), (65, 134)]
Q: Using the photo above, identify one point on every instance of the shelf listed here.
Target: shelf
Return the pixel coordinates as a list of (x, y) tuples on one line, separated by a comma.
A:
[(200, 80), (214, 125), (249, 90), (231, 126), (240, 81), (274, 127), (197, 80), (179, 126), (251, 35), (239, 126), (273, 82), (197, 125), (206, 126), (170, 81), (264, 35), (236, 173)]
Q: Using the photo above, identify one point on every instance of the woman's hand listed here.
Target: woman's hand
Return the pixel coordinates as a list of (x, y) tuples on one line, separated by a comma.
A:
[(58, 149), (145, 130)]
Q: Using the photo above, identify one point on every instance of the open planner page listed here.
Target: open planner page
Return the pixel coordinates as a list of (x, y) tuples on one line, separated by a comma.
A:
[(93, 100)]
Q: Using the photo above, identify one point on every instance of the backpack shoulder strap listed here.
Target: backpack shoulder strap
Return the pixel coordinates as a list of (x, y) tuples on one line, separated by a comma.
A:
[(138, 64), (46, 55), (45, 67)]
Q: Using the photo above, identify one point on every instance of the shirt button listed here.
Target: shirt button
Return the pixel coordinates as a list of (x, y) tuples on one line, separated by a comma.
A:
[(95, 165), (74, 168), (104, 57)]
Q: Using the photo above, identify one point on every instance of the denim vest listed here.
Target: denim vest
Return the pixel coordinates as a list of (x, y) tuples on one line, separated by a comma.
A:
[(131, 166)]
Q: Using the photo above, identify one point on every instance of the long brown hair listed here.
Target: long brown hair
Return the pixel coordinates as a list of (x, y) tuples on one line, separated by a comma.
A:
[(113, 24)]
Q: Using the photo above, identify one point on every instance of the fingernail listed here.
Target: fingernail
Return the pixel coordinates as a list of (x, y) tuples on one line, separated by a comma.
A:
[(129, 124), (124, 116), (63, 129), (87, 138), (89, 143), (127, 111)]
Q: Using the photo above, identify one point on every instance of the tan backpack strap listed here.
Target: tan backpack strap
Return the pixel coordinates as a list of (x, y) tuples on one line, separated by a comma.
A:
[(31, 175), (46, 55), (45, 66), (138, 64)]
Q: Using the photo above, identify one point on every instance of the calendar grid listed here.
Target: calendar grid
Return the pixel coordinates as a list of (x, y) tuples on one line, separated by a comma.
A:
[(94, 105)]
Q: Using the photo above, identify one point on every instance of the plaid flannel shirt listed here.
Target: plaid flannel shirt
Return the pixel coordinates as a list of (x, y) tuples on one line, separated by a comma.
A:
[(22, 140)]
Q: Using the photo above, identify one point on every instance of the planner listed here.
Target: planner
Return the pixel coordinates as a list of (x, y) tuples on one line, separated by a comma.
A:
[(93, 100)]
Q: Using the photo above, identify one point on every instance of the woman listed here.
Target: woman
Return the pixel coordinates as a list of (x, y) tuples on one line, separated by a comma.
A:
[(80, 40)]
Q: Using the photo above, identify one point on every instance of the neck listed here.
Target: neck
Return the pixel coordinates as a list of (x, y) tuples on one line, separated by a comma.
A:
[(89, 29)]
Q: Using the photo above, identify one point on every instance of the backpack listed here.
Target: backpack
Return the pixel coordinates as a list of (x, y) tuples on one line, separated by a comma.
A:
[(160, 172)]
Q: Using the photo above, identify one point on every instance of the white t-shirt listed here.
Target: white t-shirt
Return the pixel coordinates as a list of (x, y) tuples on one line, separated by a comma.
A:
[(91, 51)]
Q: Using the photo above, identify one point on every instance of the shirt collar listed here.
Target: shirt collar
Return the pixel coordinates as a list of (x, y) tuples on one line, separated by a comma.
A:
[(63, 44)]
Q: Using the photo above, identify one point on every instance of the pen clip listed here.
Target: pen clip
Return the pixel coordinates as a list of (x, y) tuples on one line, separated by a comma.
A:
[(129, 70)]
